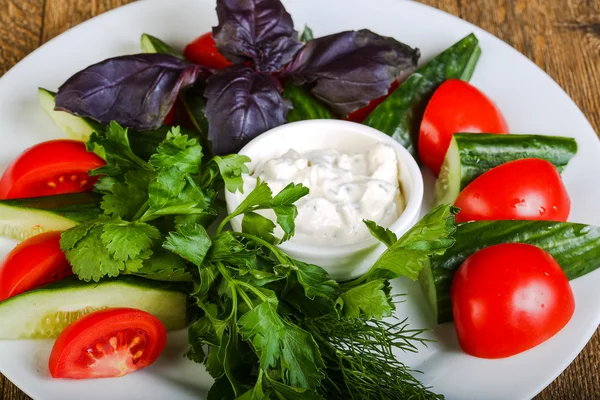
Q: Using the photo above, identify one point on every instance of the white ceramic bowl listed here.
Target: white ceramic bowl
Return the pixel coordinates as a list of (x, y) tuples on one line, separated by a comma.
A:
[(351, 260)]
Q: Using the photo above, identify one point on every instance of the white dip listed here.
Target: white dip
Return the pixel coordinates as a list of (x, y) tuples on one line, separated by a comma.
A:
[(344, 190)]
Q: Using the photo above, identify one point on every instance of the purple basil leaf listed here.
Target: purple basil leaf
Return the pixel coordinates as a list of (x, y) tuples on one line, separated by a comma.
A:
[(242, 104), (257, 30), (351, 68), (137, 91)]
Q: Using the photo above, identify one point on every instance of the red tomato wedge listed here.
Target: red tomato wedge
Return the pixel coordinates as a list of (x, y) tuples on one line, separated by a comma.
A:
[(203, 51), (362, 113), (107, 343), (509, 298), (528, 189), (54, 167), (456, 106), (33, 263)]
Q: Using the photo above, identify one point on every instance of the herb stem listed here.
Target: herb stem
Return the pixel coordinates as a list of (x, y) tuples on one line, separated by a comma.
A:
[(275, 250), (142, 210)]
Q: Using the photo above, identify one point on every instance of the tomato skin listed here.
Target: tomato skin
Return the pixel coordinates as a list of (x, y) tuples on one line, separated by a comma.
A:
[(105, 343), (33, 263), (509, 298), (203, 51), (456, 106), (362, 113), (53, 167), (528, 189)]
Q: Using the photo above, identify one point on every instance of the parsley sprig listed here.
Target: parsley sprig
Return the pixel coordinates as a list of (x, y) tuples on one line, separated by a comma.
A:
[(265, 325)]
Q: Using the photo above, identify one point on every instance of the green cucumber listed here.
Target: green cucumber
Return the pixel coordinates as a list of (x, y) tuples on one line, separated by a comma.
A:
[(77, 128), (152, 44), (23, 218), (45, 312), (305, 105), (472, 154), (576, 248), (400, 115)]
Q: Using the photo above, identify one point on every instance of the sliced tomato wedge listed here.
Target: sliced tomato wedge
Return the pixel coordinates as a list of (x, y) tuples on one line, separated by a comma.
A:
[(107, 343), (203, 51), (33, 263), (53, 167)]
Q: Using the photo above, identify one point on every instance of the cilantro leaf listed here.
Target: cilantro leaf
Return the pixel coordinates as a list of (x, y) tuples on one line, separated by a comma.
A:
[(115, 149), (173, 192), (126, 198), (382, 234), (226, 248), (259, 226), (164, 265), (368, 300), (231, 168), (261, 195), (430, 236), (179, 151), (127, 240), (284, 208), (89, 258), (315, 281), (70, 237), (190, 242)]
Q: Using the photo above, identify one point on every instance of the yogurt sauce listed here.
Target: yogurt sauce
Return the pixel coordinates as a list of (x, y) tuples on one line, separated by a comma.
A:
[(344, 190)]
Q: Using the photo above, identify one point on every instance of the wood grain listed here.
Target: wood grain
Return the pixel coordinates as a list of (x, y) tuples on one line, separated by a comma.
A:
[(561, 36)]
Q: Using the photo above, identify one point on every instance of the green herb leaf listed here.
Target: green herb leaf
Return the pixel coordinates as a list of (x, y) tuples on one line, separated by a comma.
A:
[(125, 198), (174, 192), (287, 392), (307, 34), (259, 226), (261, 195), (179, 151), (231, 168), (127, 240), (284, 208), (382, 234), (164, 266), (368, 300), (190, 242), (316, 281)]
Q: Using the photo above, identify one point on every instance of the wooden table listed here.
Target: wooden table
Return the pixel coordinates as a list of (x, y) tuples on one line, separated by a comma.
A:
[(561, 36)]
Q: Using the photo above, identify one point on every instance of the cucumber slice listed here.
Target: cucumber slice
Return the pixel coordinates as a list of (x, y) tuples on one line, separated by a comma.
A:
[(576, 248), (45, 312), (472, 154), (23, 218), (400, 115), (77, 128), (152, 44), (305, 105)]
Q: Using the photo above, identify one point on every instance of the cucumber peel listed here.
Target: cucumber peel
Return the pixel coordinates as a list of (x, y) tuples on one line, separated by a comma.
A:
[(45, 312)]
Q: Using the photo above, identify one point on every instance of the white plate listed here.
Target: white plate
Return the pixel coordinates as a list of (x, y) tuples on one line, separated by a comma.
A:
[(530, 100)]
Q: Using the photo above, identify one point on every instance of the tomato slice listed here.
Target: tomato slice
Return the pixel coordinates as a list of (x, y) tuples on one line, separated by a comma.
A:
[(456, 106), (203, 51), (107, 343), (529, 189), (33, 263), (362, 113), (509, 298), (54, 167)]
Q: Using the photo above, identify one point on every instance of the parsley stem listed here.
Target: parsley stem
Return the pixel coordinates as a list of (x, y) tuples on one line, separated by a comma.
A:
[(280, 256), (142, 210), (224, 222), (257, 292)]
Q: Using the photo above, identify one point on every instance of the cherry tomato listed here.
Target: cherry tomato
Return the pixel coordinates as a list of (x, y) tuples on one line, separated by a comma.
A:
[(203, 51), (33, 263), (529, 189), (509, 298), (107, 343), (171, 116), (362, 113), (455, 107), (54, 167)]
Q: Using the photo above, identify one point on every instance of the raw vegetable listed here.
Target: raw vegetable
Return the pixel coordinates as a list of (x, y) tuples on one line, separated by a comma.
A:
[(362, 113), (400, 114), (151, 44), (456, 106), (106, 344), (270, 323), (470, 155), (48, 168), (576, 248), (33, 263), (509, 298), (23, 218), (530, 188), (45, 312), (304, 105), (203, 51), (77, 128), (345, 70)]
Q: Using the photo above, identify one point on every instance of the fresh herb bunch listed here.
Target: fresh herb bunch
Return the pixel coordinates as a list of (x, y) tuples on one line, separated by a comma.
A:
[(344, 71), (265, 325)]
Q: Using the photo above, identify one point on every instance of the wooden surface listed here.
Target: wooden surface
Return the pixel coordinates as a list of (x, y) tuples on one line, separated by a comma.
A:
[(561, 36)]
